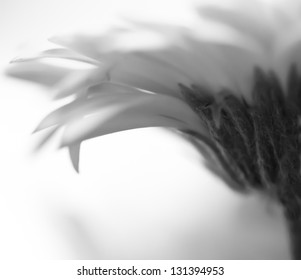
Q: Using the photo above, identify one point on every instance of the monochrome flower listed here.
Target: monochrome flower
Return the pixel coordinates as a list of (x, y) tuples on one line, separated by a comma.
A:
[(228, 79)]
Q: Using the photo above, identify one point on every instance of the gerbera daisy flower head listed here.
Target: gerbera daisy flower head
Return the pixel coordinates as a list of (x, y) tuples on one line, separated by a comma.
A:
[(226, 76)]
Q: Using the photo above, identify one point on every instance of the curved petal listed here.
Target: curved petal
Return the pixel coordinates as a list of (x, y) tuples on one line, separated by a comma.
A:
[(38, 72), (88, 128), (146, 111), (57, 53), (80, 80), (74, 151), (113, 41), (107, 95), (46, 137), (184, 58), (141, 71), (78, 109)]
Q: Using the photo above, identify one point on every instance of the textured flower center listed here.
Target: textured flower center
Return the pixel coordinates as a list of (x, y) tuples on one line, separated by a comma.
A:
[(258, 144)]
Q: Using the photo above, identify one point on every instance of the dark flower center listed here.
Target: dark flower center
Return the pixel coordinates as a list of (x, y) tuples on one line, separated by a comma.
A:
[(258, 144)]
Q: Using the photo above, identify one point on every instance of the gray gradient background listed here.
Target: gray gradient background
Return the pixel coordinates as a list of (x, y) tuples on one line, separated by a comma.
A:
[(142, 194)]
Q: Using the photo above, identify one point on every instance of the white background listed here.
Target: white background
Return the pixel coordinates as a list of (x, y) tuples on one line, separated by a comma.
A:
[(142, 194)]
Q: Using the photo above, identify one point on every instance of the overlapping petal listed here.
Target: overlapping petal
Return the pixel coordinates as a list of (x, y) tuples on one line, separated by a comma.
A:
[(136, 69), (109, 108)]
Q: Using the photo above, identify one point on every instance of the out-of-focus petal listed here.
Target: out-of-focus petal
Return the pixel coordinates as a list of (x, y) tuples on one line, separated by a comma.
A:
[(92, 46), (81, 108), (74, 153), (48, 134), (145, 72), (107, 95), (98, 125), (57, 53), (243, 18), (144, 102), (110, 107), (179, 54), (38, 72), (78, 81)]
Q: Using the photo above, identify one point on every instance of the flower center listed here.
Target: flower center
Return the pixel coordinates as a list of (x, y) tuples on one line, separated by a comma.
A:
[(258, 144)]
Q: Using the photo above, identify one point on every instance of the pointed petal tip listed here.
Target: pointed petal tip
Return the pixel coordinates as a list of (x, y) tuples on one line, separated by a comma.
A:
[(37, 129), (51, 39), (76, 168), (55, 39), (74, 153), (62, 145), (15, 59)]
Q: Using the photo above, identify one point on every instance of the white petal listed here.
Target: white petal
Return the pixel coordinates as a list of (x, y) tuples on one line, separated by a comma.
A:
[(38, 72), (250, 19), (79, 109), (146, 111), (57, 53), (193, 62), (108, 94), (145, 102), (46, 137), (146, 73), (94, 47), (101, 96), (80, 80), (95, 126), (74, 151)]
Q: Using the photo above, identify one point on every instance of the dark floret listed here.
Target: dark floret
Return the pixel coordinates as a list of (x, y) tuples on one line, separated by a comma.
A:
[(258, 142)]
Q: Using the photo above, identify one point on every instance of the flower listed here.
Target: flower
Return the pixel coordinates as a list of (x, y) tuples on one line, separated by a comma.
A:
[(228, 77)]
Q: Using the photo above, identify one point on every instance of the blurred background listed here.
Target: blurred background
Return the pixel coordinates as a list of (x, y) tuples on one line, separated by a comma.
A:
[(141, 194)]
